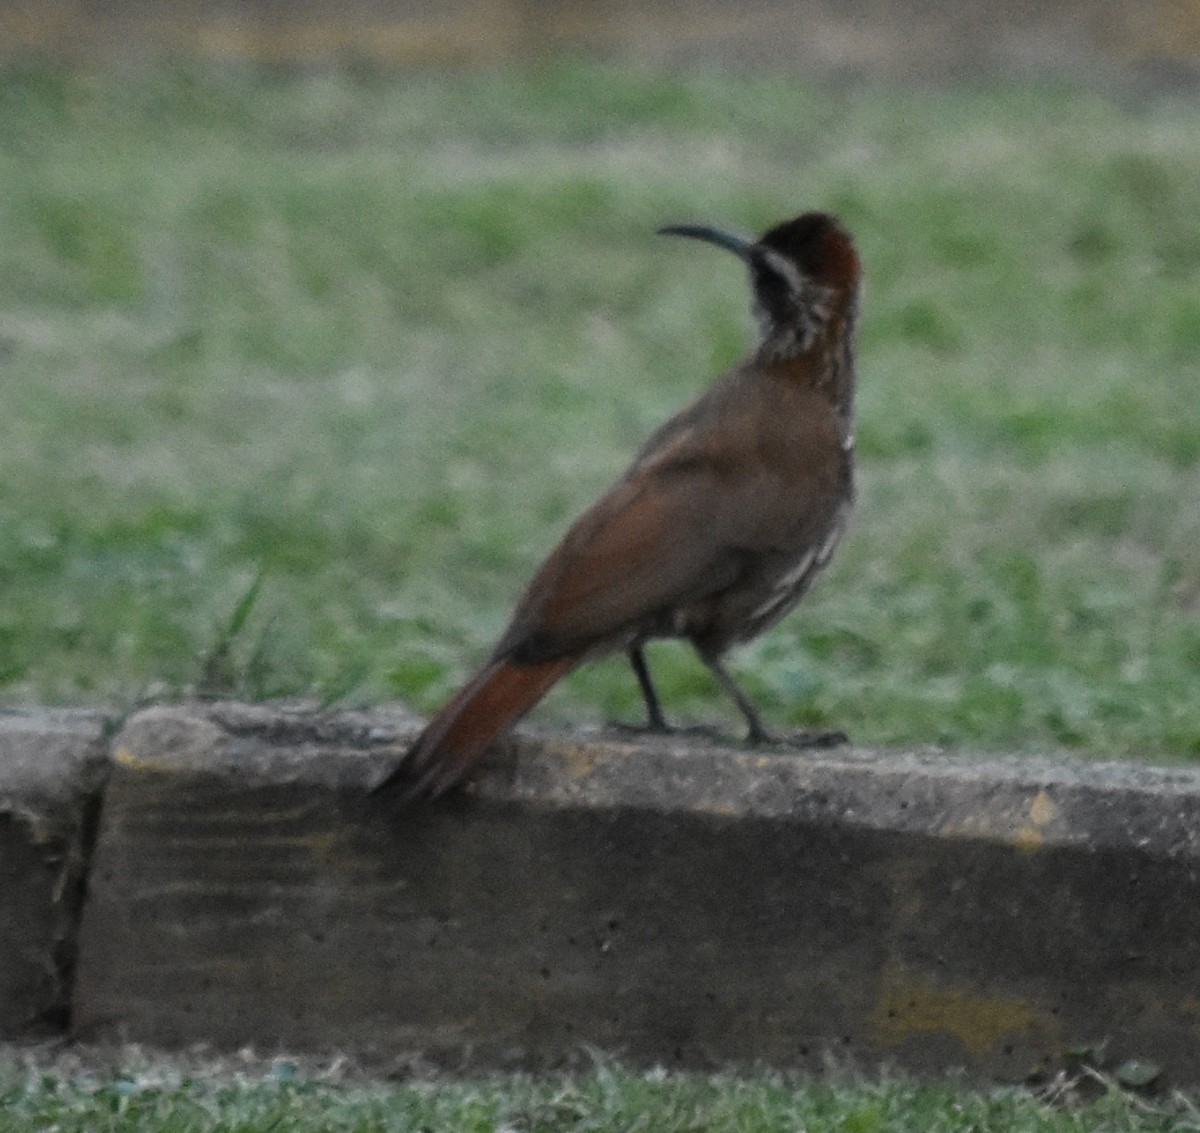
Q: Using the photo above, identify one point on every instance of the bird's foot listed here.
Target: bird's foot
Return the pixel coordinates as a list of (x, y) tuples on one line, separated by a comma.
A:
[(806, 739), (707, 731)]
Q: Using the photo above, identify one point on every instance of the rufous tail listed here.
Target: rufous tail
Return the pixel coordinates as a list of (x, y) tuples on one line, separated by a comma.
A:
[(460, 734)]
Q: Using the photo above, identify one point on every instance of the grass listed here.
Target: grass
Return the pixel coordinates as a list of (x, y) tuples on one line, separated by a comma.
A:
[(166, 1098), (303, 373)]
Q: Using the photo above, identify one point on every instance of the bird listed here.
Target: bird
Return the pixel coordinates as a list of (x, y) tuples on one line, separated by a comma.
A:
[(714, 532)]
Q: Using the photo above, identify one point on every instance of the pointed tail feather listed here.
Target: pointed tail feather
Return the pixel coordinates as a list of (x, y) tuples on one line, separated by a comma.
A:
[(459, 735)]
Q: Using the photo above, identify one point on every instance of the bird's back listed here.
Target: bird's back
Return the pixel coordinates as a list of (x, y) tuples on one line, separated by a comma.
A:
[(716, 529)]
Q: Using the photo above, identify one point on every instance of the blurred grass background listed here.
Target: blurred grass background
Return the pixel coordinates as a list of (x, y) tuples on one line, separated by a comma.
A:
[(304, 370)]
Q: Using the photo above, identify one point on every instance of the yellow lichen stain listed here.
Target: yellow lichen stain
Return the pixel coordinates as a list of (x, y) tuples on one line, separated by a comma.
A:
[(325, 847), (132, 762), (1190, 1005), (1026, 826), (910, 1006), (581, 761), (722, 809), (1042, 812), (1042, 809)]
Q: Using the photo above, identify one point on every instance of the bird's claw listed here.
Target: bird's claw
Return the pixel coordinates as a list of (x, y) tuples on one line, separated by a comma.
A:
[(810, 739), (707, 731), (805, 739)]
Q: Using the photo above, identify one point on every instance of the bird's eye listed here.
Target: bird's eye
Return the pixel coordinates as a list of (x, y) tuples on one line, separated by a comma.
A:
[(771, 286)]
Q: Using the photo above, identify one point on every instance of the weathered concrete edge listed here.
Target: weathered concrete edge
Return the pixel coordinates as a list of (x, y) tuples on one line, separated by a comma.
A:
[(53, 764), (1023, 803)]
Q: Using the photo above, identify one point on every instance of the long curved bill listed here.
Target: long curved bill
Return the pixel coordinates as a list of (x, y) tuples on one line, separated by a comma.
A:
[(738, 245)]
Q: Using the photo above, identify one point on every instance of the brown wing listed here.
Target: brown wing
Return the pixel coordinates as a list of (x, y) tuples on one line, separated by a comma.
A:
[(676, 529)]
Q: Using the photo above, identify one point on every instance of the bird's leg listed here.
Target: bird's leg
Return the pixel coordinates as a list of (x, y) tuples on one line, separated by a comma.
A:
[(758, 732), (656, 720)]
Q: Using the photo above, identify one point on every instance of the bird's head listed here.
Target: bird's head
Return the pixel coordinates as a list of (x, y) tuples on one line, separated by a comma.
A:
[(806, 277)]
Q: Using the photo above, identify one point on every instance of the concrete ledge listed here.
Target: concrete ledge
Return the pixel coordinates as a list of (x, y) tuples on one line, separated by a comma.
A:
[(51, 768), (669, 903)]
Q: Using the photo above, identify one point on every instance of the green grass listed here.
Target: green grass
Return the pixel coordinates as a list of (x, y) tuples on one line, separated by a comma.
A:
[(302, 374), (165, 1099)]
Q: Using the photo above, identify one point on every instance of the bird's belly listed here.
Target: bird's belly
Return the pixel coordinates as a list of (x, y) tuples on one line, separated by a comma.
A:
[(776, 582)]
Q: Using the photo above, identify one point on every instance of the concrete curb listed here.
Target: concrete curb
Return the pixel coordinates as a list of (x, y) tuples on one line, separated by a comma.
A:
[(52, 765), (670, 902)]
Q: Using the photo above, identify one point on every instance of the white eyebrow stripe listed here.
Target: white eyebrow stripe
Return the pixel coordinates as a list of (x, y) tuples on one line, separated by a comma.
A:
[(784, 267)]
